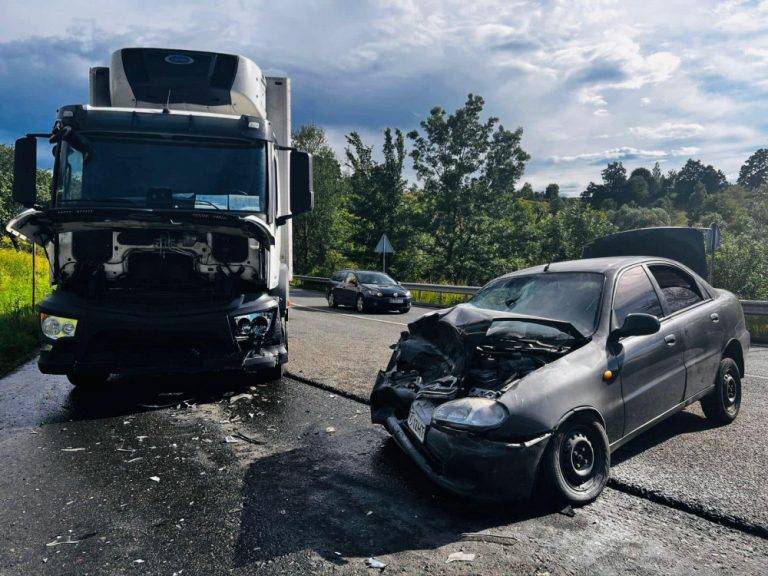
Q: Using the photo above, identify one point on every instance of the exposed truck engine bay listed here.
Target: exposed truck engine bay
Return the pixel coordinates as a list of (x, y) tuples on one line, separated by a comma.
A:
[(156, 262)]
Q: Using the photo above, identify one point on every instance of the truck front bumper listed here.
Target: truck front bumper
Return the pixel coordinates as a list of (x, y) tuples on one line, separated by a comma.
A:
[(152, 339)]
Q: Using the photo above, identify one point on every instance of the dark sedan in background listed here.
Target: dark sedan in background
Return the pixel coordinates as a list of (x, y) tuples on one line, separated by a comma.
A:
[(367, 290)]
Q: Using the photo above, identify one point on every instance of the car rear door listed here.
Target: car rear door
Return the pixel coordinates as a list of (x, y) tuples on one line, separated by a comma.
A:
[(651, 366), (683, 298)]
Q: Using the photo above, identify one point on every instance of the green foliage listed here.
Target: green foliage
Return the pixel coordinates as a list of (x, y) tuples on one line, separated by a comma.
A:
[(8, 208), (754, 172), (18, 321)]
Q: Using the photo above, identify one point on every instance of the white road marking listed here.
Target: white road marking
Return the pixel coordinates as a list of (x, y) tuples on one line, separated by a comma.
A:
[(301, 306)]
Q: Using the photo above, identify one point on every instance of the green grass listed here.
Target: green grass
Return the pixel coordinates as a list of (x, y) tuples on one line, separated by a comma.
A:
[(758, 328), (18, 321)]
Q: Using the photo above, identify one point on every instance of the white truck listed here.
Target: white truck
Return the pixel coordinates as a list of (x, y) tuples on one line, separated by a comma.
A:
[(168, 235)]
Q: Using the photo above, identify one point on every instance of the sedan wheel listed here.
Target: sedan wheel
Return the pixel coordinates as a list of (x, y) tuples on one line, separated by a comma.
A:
[(578, 460), (360, 304), (723, 403)]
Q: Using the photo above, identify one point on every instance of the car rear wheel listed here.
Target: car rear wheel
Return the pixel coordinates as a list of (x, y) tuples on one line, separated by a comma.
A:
[(360, 304), (577, 461), (332, 300), (723, 403), (87, 380)]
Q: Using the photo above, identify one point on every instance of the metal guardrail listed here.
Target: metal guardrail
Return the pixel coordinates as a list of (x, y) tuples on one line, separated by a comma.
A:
[(751, 307)]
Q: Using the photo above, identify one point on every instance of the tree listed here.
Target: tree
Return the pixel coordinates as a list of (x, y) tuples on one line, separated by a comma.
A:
[(552, 196), (632, 217), (694, 171), (321, 236), (468, 168), (754, 172)]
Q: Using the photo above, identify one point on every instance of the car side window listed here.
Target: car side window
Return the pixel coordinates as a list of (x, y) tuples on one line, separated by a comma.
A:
[(635, 295), (679, 289)]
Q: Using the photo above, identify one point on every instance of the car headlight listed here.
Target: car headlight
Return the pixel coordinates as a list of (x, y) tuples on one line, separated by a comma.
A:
[(407, 293), (471, 413), (254, 324), (55, 327)]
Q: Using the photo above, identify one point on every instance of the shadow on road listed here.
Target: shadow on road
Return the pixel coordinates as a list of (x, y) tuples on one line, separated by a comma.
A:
[(354, 495)]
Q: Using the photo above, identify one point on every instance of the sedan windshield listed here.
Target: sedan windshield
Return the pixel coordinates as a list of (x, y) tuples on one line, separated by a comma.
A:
[(153, 173), (378, 278), (572, 297)]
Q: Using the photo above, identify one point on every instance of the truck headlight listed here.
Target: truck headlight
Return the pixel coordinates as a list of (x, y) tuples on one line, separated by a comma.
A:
[(471, 413), (254, 324), (55, 327)]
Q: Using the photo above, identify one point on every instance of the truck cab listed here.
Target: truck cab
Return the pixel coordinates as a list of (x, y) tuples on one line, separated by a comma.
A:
[(168, 235)]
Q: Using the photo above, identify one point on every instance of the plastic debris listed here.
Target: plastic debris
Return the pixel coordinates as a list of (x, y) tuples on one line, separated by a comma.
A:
[(138, 561), (155, 478), (58, 542), (156, 406), (72, 449), (242, 396), (375, 563), (330, 430), (461, 557), (242, 436), (134, 459), (231, 440), (141, 438), (125, 449)]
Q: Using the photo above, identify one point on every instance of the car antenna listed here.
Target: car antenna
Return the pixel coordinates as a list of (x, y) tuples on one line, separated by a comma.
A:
[(546, 266)]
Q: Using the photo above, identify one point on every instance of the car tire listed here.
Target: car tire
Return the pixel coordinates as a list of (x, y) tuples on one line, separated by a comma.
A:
[(723, 403), (88, 380), (404, 310), (577, 461), (360, 305), (332, 300)]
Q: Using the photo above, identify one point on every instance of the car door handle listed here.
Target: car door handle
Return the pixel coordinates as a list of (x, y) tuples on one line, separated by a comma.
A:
[(670, 339), (715, 317)]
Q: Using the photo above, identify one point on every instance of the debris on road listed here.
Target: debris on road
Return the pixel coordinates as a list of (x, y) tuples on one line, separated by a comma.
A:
[(58, 542), (72, 449), (231, 440), (155, 478), (141, 438), (248, 439), (134, 459), (242, 396), (461, 557), (568, 511), (330, 430), (375, 563)]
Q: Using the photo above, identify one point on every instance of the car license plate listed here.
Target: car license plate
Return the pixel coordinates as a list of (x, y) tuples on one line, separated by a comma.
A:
[(396, 300), (416, 425)]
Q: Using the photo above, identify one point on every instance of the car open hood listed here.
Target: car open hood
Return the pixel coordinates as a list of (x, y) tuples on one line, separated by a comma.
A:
[(685, 245), (39, 226)]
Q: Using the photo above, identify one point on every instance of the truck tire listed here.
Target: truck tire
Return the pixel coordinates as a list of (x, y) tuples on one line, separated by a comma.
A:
[(577, 461), (87, 380), (723, 403)]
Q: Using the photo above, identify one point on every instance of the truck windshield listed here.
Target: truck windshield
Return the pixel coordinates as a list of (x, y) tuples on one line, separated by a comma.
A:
[(153, 173)]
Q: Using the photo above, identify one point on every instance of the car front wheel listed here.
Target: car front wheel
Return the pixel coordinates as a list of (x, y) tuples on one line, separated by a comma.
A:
[(577, 461), (723, 403), (360, 304)]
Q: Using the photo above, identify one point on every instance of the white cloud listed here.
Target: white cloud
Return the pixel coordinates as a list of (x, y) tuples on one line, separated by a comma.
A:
[(668, 130), (685, 151), (620, 153)]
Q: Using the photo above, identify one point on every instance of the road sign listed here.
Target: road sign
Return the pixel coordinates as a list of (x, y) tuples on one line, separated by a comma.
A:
[(384, 246)]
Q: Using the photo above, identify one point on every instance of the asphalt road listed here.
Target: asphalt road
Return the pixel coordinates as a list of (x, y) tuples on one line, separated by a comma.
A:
[(139, 479)]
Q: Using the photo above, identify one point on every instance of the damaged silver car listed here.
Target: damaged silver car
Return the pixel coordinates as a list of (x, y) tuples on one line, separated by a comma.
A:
[(548, 370)]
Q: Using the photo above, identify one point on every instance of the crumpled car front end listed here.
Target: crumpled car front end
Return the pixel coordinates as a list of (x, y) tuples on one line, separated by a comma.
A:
[(445, 398)]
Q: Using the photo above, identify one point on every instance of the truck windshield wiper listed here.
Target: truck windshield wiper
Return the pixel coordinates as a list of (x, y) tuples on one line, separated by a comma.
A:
[(197, 200)]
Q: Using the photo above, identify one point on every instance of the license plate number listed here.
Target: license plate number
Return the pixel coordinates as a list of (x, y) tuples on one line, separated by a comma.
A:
[(416, 425), (396, 300)]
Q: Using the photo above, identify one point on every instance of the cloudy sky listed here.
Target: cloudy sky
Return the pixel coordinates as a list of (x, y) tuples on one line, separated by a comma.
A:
[(589, 81)]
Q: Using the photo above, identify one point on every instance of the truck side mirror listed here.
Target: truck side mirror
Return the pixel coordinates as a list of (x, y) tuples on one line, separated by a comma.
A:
[(637, 325), (302, 190), (25, 171)]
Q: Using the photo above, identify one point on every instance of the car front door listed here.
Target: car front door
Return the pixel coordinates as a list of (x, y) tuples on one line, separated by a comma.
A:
[(683, 298), (651, 366), (349, 289)]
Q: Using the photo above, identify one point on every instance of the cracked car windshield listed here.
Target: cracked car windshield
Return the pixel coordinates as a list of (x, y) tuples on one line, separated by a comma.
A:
[(572, 297), (118, 171)]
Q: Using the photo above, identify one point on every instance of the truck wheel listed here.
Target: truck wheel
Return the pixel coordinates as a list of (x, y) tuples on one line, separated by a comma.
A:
[(723, 403), (87, 380), (577, 461)]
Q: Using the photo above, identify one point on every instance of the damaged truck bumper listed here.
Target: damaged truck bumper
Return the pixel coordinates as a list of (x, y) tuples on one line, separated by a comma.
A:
[(116, 338)]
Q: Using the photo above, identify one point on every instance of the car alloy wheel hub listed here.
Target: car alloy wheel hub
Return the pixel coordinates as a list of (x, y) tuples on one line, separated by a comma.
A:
[(730, 388), (580, 454)]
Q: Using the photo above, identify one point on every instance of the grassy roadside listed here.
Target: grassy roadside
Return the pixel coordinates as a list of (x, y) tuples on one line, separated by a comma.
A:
[(18, 321)]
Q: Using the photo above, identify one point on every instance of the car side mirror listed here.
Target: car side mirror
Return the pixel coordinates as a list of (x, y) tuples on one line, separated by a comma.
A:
[(25, 171), (302, 190), (637, 325)]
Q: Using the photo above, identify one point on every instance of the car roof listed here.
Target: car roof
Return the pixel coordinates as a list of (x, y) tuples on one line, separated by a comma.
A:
[(598, 265)]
